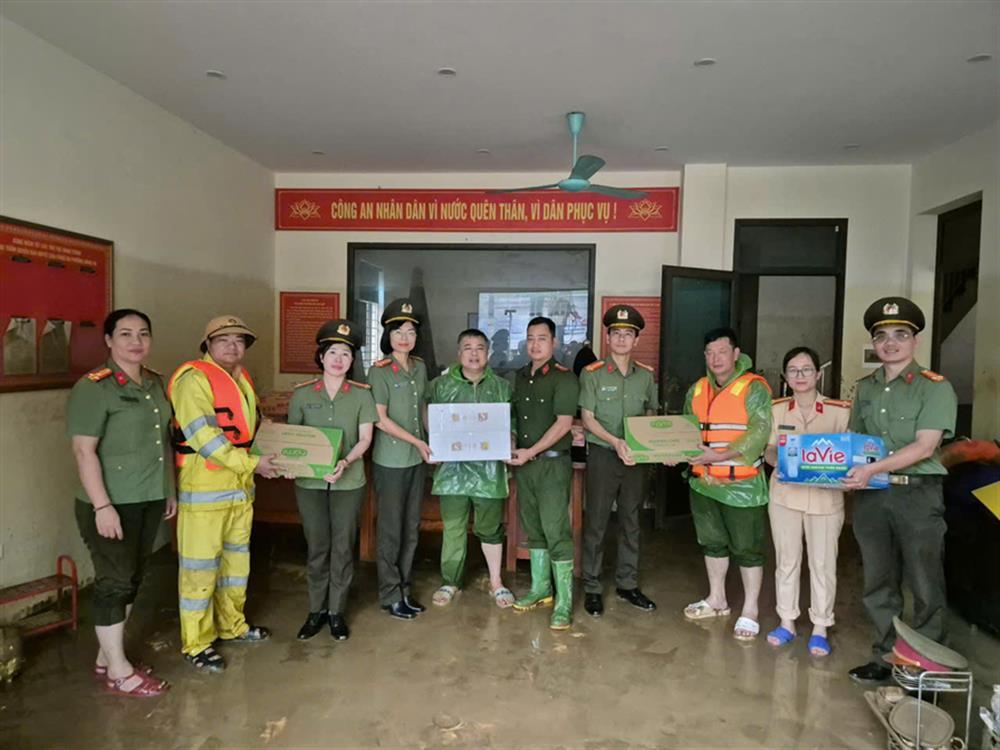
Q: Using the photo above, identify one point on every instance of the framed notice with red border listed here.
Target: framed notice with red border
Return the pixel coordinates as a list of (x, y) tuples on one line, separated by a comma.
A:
[(55, 291), (647, 348), (300, 316)]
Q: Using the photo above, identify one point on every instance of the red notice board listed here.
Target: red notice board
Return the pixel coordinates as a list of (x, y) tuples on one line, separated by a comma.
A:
[(647, 348), (301, 315), (55, 291)]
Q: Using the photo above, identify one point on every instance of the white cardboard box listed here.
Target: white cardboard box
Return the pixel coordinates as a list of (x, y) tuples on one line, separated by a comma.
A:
[(469, 432)]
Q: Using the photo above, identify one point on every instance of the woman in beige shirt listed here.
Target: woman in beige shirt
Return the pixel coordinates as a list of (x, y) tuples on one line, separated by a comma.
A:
[(800, 509)]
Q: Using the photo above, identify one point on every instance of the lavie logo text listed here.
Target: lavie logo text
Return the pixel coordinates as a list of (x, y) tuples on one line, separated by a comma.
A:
[(823, 454)]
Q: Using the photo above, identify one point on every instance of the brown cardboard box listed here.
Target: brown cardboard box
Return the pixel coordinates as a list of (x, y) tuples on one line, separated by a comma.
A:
[(657, 439)]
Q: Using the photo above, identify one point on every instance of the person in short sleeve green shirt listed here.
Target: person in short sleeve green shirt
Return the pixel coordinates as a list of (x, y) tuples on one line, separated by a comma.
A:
[(399, 384), (118, 419), (912, 410), (329, 506)]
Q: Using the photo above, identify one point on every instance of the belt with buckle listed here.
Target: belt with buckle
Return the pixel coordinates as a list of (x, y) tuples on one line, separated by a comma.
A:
[(914, 480), (552, 454)]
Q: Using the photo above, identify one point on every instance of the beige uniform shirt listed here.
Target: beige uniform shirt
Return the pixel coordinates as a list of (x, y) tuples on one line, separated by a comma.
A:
[(828, 416)]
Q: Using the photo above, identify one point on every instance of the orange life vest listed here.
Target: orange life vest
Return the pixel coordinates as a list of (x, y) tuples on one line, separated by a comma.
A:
[(228, 403), (723, 418)]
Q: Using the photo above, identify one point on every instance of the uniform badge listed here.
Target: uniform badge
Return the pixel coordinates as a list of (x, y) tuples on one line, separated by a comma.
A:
[(344, 330), (623, 314), (890, 308), (407, 308)]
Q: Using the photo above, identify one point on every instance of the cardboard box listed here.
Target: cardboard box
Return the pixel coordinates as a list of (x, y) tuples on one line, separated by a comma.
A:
[(823, 459), (469, 432), (657, 439), (303, 452)]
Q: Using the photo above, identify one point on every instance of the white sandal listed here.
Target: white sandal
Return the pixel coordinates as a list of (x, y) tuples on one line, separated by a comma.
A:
[(443, 596), (745, 623), (703, 611), (503, 597)]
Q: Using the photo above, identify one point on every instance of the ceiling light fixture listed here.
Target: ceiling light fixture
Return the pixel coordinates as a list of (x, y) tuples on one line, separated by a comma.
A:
[(705, 62), (661, 148), (979, 57), (217, 74), (447, 72)]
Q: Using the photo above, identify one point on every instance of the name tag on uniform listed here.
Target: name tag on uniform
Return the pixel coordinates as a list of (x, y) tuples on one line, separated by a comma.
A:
[(131, 399), (790, 427), (609, 388), (312, 406)]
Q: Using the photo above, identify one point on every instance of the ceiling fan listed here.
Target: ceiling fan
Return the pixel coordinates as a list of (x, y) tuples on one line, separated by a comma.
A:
[(583, 169)]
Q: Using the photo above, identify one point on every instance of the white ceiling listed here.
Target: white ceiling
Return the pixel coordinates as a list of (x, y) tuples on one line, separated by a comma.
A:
[(794, 83)]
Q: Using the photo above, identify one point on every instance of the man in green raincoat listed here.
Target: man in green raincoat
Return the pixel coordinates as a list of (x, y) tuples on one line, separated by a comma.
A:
[(481, 485)]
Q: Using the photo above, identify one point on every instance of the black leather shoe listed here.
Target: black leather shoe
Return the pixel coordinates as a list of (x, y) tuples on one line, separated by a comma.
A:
[(414, 604), (594, 604), (870, 673), (338, 627), (636, 598), (313, 624), (400, 610)]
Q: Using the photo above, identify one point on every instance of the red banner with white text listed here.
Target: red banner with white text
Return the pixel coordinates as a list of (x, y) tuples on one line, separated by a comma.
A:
[(473, 211)]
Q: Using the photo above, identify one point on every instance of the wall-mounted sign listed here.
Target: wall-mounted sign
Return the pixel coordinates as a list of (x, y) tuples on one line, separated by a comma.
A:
[(55, 291), (301, 315), (473, 211)]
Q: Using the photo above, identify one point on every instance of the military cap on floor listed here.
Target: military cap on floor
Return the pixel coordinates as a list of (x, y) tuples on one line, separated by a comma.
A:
[(400, 309), (913, 648), (624, 316), (340, 331), (894, 311), (224, 324)]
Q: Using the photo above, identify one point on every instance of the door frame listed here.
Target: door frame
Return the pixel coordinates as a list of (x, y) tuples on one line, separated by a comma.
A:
[(938, 310)]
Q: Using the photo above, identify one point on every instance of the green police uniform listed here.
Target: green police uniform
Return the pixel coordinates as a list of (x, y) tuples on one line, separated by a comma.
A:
[(131, 421), (900, 530), (330, 512), (399, 470), (459, 484), (612, 396), (543, 484)]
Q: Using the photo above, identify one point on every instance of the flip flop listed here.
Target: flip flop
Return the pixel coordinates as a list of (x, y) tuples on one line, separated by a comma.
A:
[(782, 635), (443, 596), (821, 644), (503, 597), (703, 611), (137, 685), (745, 623)]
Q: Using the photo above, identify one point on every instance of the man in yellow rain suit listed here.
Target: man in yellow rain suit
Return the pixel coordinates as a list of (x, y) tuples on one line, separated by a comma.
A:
[(216, 417)]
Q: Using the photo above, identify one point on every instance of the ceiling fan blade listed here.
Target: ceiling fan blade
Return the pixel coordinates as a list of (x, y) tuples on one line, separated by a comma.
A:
[(628, 195), (525, 189), (586, 166)]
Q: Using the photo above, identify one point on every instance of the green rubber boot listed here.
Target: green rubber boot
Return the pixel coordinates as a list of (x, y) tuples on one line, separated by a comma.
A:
[(562, 613), (540, 594)]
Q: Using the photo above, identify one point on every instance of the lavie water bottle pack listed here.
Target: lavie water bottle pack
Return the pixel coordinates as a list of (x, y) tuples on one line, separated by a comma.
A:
[(823, 459)]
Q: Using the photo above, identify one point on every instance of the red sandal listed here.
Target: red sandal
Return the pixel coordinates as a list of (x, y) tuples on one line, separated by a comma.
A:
[(101, 673), (137, 685)]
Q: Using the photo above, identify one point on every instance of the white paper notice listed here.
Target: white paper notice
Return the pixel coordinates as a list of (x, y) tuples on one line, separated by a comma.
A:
[(469, 432)]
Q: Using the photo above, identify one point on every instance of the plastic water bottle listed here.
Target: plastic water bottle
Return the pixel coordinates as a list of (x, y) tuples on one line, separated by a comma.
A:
[(792, 459)]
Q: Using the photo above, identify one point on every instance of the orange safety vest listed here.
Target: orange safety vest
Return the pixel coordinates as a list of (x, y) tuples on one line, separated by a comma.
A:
[(723, 418), (228, 403)]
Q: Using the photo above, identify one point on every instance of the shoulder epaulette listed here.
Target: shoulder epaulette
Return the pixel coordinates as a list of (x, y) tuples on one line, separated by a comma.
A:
[(643, 365), (781, 400), (306, 382), (359, 385), (837, 402), (561, 368), (98, 375), (383, 362), (933, 376), (594, 366)]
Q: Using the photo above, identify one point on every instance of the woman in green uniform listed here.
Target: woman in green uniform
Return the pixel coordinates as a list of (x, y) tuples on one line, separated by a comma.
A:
[(329, 506), (117, 418), (399, 385)]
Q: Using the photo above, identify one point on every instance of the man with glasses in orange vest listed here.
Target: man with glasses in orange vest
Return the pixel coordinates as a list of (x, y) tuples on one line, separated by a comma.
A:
[(728, 487), (215, 420)]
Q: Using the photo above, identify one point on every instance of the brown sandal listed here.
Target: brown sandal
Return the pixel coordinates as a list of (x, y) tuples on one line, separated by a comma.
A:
[(137, 685), (101, 673)]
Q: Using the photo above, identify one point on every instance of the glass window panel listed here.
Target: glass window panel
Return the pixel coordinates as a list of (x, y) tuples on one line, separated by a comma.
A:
[(787, 246)]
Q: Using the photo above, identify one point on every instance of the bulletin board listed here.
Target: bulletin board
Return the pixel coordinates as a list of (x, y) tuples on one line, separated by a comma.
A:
[(300, 316), (647, 348), (55, 291)]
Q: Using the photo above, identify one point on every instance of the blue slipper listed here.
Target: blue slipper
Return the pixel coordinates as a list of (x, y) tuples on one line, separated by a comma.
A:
[(821, 644), (783, 635)]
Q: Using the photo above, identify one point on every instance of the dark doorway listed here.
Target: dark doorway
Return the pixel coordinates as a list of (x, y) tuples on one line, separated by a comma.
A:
[(956, 284)]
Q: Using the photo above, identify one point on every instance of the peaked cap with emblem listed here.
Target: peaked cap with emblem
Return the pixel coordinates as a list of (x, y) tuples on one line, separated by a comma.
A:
[(894, 311), (224, 324), (401, 309), (340, 331), (624, 316)]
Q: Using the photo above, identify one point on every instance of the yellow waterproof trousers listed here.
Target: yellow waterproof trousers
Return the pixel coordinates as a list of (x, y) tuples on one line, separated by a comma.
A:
[(214, 565)]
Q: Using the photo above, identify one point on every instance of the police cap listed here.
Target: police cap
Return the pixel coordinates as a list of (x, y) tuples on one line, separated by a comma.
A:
[(340, 331), (224, 324), (400, 309), (894, 311), (624, 316)]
